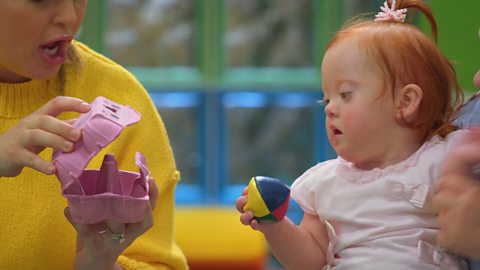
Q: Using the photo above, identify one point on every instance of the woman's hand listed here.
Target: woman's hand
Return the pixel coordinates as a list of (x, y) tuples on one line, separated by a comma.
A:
[(20, 146), (458, 198), (100, 244)]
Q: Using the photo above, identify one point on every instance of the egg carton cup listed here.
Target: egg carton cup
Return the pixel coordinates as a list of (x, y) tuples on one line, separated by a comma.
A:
[(106, 193)]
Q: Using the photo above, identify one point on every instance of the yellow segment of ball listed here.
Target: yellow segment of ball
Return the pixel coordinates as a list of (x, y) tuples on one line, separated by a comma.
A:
[(255, 201)]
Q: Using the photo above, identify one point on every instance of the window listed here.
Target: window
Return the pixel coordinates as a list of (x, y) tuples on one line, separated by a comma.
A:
[(235, 81)]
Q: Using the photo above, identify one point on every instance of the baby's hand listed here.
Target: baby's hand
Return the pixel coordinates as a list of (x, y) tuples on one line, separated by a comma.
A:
[(247, 217), (20, 146)]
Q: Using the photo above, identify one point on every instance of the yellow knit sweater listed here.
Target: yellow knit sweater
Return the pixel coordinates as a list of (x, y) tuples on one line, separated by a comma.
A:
[(34, 234)]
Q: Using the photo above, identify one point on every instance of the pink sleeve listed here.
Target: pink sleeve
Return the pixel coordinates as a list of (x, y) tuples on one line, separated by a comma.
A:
[(303, 190)]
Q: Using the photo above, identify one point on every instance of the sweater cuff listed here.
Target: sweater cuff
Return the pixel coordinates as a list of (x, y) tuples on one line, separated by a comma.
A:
[(131, 264)]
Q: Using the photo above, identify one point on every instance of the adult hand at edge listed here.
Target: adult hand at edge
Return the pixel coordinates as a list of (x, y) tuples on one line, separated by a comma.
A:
[(20, 145)]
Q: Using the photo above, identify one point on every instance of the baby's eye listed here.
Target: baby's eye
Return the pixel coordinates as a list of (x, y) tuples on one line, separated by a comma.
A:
[(345, 95)]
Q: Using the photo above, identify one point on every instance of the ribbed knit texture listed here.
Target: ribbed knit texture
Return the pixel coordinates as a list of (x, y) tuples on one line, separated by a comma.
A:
[(34, 234)]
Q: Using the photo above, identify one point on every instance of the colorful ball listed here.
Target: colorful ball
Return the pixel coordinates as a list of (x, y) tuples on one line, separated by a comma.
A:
[(267, 198)]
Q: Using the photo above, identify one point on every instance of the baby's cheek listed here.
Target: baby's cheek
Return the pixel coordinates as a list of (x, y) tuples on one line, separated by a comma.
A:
[(352, 119)]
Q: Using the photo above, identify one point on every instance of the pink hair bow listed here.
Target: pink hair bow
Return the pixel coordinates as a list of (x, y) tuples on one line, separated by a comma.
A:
[(390, 14)]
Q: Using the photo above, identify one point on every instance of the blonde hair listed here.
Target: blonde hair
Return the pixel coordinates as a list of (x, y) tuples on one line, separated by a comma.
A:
[(72, 59), (405, 55)]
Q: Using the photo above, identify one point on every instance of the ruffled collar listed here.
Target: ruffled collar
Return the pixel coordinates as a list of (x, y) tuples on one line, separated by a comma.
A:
[(354, 174)]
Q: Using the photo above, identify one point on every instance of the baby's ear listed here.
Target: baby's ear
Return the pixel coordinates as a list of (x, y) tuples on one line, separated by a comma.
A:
[(407, 101)]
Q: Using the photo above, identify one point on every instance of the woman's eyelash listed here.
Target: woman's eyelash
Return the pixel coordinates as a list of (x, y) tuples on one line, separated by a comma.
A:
[(39, 2)]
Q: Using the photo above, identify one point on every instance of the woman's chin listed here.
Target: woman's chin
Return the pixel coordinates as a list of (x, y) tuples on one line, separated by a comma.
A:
[(11, 77), (21, 78), (45, 74)]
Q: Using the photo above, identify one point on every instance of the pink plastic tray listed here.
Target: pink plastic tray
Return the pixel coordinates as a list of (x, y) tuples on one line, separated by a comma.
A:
[(108, 193)]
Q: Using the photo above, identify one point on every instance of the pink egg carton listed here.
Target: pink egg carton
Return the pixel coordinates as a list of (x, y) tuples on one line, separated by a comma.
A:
[(108, 193)]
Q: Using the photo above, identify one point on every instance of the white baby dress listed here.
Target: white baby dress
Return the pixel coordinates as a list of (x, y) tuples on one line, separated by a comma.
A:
[(381, 218)]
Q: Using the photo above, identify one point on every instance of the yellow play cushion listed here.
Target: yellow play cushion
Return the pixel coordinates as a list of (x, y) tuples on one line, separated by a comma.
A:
[(214, 238)]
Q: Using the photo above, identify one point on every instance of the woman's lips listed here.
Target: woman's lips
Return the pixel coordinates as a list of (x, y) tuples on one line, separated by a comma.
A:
[(55, 53)]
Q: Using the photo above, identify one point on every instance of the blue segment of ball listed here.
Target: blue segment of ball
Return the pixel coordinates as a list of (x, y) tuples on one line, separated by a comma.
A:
[(273, 191)]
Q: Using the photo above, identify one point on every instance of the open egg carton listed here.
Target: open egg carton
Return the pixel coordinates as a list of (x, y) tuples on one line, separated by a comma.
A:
[(106, 193)]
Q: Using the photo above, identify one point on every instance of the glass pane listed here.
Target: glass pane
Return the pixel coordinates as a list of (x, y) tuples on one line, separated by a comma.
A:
[(180, 113), (151, 33), (269, 33), (268, 134)]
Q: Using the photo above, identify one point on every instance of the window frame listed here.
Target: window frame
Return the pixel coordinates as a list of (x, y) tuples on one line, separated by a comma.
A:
[(210, 71), (211, 75)]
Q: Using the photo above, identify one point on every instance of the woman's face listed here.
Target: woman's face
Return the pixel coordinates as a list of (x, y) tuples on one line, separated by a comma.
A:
[(476, 79), (35, 35)]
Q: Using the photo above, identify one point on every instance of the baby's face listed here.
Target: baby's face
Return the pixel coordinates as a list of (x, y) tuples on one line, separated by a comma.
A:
[(359, 120)]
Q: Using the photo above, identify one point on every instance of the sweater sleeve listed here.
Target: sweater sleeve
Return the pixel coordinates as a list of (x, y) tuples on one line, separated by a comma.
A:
[(157, 245), (131, 263)]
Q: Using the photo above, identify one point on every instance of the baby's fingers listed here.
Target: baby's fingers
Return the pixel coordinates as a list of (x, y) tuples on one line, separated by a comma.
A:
[(246, 218), (256, 225), (240, 203)]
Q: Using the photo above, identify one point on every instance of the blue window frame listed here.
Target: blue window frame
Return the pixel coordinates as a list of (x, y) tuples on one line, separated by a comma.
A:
[(228, 118), (221, 139)]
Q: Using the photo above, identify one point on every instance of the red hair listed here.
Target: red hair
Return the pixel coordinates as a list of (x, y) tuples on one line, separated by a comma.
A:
[(405, 55)]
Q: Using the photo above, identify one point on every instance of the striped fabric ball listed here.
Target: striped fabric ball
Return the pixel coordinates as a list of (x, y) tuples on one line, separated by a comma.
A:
[(267, 198)]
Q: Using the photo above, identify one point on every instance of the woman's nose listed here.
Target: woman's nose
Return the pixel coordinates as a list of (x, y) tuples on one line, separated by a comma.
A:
[(66, 14)]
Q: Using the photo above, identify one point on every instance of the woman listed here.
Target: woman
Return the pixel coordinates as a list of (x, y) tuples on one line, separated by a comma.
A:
[(45, 78)]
